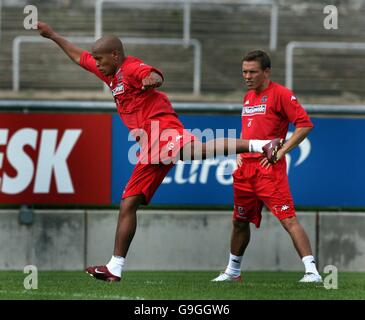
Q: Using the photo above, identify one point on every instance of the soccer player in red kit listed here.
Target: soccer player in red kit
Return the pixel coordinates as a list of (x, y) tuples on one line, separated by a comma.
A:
[(149, 116), (267, 110)]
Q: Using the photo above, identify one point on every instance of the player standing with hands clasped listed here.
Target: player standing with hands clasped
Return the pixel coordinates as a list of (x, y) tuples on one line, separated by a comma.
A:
[(268, 108), (149, 116)]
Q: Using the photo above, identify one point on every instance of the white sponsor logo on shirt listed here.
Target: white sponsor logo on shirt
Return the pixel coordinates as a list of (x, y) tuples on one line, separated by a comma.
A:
[(253, 110), (119, 89)]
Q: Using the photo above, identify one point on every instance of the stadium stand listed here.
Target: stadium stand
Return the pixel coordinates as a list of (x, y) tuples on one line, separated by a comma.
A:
[(226, 32)]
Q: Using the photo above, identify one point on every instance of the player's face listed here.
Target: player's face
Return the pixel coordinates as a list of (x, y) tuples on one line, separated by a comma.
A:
[(105, 62), (255, 78)]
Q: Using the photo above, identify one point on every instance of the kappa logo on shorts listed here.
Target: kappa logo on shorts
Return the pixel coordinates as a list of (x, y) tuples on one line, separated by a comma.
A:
[(281, 208)]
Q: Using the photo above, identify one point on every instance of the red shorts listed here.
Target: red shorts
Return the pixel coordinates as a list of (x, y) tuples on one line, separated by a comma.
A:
[(161, 139), (255, 186), (158, 155)]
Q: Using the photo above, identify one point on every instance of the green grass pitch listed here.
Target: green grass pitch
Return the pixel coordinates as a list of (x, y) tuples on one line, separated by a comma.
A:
[(178, 285)]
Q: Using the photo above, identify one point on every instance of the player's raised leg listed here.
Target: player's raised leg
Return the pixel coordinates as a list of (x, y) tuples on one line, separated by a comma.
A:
[(196, 150)]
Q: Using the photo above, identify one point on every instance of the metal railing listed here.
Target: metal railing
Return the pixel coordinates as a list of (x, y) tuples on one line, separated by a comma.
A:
[(187, 14), (289, 54), (197, 107), (145, 41)]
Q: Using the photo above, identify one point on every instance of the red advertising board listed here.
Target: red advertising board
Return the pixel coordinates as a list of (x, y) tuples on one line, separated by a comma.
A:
[(55, 158)]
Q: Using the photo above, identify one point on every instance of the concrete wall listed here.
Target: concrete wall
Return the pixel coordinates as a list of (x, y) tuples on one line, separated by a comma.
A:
[(175, 240), (54, 241), (342, 240)]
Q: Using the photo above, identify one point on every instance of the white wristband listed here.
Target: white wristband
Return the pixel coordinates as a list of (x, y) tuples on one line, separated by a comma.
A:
[(256, 145)]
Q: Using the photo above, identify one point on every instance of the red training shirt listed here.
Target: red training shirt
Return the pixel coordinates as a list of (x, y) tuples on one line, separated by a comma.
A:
[(266, 115), (134, 106)]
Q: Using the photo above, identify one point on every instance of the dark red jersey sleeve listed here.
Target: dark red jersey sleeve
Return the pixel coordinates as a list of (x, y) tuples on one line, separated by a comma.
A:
[(293, 110), (88, 62), (137, 70)]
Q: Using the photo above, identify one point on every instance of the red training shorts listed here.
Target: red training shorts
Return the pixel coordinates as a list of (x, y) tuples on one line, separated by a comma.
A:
[(159, 151), (254, 186)]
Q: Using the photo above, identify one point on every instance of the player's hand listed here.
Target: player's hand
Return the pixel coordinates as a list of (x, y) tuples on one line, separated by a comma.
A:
[(153, 80), (265, 162), (273, 152), (239, 160), (45, 30)]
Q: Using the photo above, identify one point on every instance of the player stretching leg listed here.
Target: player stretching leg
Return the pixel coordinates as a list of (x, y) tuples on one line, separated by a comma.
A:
[(140, 107)]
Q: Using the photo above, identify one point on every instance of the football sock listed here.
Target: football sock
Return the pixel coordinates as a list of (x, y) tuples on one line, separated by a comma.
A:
[(115, 265), (256, 145), (234, 265), (310, 264)]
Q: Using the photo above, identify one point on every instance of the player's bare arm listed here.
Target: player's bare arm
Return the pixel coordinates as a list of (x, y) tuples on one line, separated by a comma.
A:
[(69, 48), (153, 80), (297, 137), (239, 158)]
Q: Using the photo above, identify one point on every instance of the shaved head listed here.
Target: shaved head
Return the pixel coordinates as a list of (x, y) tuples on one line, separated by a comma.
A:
[(108, 44), (109, 54)]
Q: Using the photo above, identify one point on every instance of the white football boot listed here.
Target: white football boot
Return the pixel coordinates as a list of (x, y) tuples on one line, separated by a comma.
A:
[(311, 277), (226, 277)]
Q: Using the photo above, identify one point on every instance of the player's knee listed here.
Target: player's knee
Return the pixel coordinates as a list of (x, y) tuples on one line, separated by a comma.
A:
[(240, 226), (289, 223), (129, 206), (126, 211)]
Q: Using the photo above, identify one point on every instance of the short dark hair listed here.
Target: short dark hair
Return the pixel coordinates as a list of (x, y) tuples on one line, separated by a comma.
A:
[(259, 55)]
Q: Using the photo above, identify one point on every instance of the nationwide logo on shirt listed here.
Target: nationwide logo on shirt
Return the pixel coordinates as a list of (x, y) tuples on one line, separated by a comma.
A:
[(119, 89), (253, 110)]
